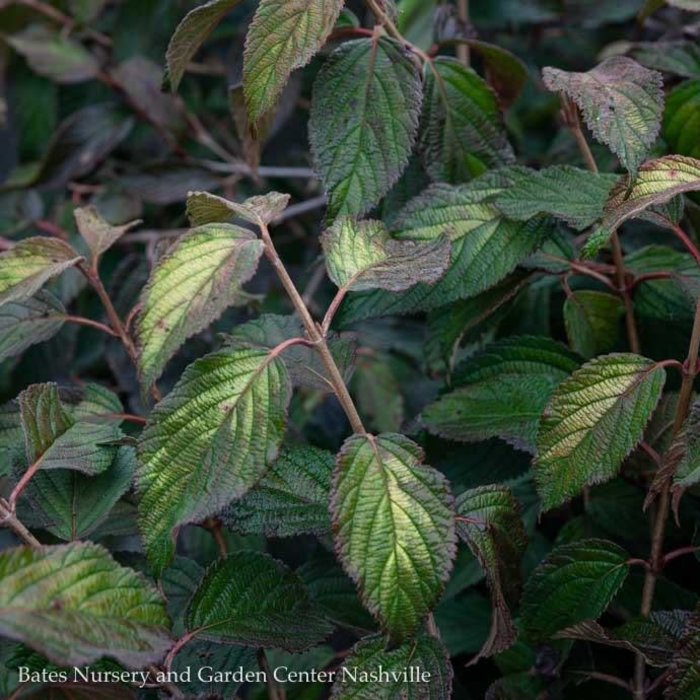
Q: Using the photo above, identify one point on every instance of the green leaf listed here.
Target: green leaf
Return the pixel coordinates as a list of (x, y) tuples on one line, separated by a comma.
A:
[(361, 255), (29, 321), (394, 528), (687, 448), (501, 392), (364, 120), (209, 442), (249, 598), (190, 287), (283, 36), (657, 182), (291, 499), (462, 133), (593, 421), (488, 520), (74, 604), (377, 393), (96, 232), (592, 321), (206, 208), (682, 119), (576, 582), (576, 196), (622, 103), (55, 440), (71, 505), (679, 57), (303, 363), (30, 264), (54, 55), (357, 678), (486, 247), (505, 72), (191, 33), (335, 593)]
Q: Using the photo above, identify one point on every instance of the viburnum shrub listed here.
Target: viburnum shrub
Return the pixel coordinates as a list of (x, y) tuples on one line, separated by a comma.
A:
[(389, 393)]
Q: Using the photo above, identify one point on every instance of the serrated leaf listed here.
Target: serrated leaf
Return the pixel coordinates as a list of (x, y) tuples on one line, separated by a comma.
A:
[(576, 196), (683, 682), (55, 440), (208, 442), (29, 321), (594, 419), (283, 36), (687, 445), (361, 255), (363, 123), (303, 363), (622, 103), (30, 264), (462, 134), (501, 392), (488, 520), (191, 33), (74, 604), (54, 55), (394, 528), (592, 321), (576, 582), (96, 232), (486, 247), (205, 208), (189, 288), (682, 119), (657, 182), (71, 505), (680, 57), (357, 679), (249, 598), (291, 499)]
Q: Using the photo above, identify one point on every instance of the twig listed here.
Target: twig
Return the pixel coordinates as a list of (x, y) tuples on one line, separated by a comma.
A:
[(315, 335), (683, 237), (679, 553), (462, 47), (656, 559), (238, 168), (273, 690), (9, 520), (79, 320)]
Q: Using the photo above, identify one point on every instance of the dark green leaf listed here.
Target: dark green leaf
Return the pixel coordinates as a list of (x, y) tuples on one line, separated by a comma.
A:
[(593, 321)]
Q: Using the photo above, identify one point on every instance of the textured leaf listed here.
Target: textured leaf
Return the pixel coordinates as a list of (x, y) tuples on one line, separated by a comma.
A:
[(29, 265), (364, 119), (461, 133), (283, 36), (394, 528), (501, 392), (571, 194), (594, 419), (687, 445), (54, 55), (303, 363), (249, 598), (96, 232), (679, 57), (74, 604), (622, 103), (657, 182), (684, 679), (576, 582), (488, 521), (55, 440), (208, 442), (593, 321), (682, 119), (335, 593), (377, 393), (29, 321), (486, 247), (361, 255), (190, 287), (71, 505), (291, 499), (357, 678), (191, 33), (206, 208)]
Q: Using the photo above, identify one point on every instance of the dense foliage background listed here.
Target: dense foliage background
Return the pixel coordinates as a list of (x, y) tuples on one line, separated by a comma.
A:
[(346, 334)]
